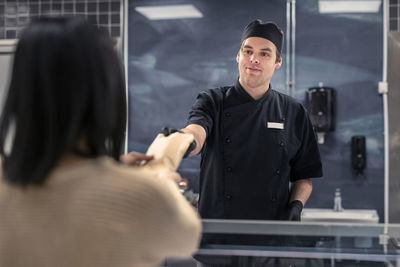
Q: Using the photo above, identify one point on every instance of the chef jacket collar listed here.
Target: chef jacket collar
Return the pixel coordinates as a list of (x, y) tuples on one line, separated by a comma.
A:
[(245, 97)]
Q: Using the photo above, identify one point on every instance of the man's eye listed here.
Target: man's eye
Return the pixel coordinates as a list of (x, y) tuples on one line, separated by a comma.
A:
[(264, 54), (247, 52)]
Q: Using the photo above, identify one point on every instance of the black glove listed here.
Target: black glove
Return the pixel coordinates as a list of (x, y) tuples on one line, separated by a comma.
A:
[(167, 131), (294, 209)]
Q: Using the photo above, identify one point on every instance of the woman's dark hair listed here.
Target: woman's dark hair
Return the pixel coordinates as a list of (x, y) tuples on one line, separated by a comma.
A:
[(66, 86)]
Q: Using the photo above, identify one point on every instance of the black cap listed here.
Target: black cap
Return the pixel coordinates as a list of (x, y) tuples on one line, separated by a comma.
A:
[(267, 30)]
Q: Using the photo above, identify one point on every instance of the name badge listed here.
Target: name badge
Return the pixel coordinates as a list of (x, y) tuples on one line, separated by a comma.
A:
[(275, 125)]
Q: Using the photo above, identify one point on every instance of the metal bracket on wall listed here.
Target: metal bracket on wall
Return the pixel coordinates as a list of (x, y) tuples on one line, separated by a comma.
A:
[(383, 88)]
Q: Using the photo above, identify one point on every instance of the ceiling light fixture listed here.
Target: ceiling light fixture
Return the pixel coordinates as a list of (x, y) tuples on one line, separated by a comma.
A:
[(349, 6), (169, 12)]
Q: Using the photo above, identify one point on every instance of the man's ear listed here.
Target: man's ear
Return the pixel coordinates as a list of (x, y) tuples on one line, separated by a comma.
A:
[(278, 64), (237, 57)]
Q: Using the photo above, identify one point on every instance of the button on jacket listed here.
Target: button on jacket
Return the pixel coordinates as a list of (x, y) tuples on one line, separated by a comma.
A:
[(252, 150)]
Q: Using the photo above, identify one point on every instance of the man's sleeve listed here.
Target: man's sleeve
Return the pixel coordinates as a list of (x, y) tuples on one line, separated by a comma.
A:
[(203, 112), (307, 161)]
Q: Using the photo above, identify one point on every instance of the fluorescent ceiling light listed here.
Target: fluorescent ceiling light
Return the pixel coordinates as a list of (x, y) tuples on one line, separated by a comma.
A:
[(169, 12), (349, 6)]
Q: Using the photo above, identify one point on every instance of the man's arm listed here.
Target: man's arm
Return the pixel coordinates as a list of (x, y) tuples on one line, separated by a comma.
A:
[(199, 136), (301, 190)]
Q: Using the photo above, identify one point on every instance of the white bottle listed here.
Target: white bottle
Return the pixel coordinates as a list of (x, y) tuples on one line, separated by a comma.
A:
[(337, 204)]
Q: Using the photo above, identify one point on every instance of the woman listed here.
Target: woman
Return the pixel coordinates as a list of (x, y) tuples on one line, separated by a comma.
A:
[(65, 200)]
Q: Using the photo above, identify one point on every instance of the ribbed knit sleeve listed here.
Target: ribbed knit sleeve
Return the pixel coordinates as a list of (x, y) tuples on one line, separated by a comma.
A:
[(178, 227), (162, 219)]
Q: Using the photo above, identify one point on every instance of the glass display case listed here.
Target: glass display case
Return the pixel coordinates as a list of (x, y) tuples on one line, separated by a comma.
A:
[(282, 243)]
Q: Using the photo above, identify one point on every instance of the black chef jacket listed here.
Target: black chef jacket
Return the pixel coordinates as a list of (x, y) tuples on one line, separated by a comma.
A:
[(252, 150)]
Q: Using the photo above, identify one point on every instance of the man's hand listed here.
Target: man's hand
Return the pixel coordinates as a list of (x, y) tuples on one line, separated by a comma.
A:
[(294, 209), (199, 135), (167, 131), (135, 159)]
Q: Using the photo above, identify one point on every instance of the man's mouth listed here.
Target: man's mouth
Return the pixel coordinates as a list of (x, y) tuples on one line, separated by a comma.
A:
[(253, 69)]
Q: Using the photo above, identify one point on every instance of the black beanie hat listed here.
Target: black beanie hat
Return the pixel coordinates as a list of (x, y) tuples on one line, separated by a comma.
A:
[(267, 30)]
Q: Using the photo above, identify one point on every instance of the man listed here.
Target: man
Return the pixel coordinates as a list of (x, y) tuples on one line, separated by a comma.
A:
[(254, 141)]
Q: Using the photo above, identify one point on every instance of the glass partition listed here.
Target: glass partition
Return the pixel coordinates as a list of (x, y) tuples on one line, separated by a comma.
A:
[(171, 60), (299, 240)]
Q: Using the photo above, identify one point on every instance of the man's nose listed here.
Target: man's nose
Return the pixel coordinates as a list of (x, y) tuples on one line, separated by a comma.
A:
[(254, 59)]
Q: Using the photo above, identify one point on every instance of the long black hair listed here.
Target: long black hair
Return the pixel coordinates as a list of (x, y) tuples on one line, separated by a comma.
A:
[(67, 84)]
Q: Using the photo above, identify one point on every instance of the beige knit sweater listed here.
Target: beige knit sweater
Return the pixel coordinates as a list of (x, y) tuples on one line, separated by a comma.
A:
[(96, 213)]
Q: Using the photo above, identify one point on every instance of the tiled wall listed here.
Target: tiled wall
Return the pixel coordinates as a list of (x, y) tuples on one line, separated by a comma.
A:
[(394, 14), (15, 14)]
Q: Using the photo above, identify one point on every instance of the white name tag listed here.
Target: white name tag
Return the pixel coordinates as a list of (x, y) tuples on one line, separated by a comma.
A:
[(275, 125)]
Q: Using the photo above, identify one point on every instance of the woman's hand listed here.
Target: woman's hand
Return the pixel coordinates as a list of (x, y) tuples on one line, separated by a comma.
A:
[(135, 159), (166, 174)]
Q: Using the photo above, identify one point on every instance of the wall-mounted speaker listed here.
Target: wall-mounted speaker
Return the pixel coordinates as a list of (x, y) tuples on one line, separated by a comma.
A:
[(358, 153), (321, 108)]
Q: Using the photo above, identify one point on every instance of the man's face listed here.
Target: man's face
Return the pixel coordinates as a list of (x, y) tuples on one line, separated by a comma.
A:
[(257, 62)]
